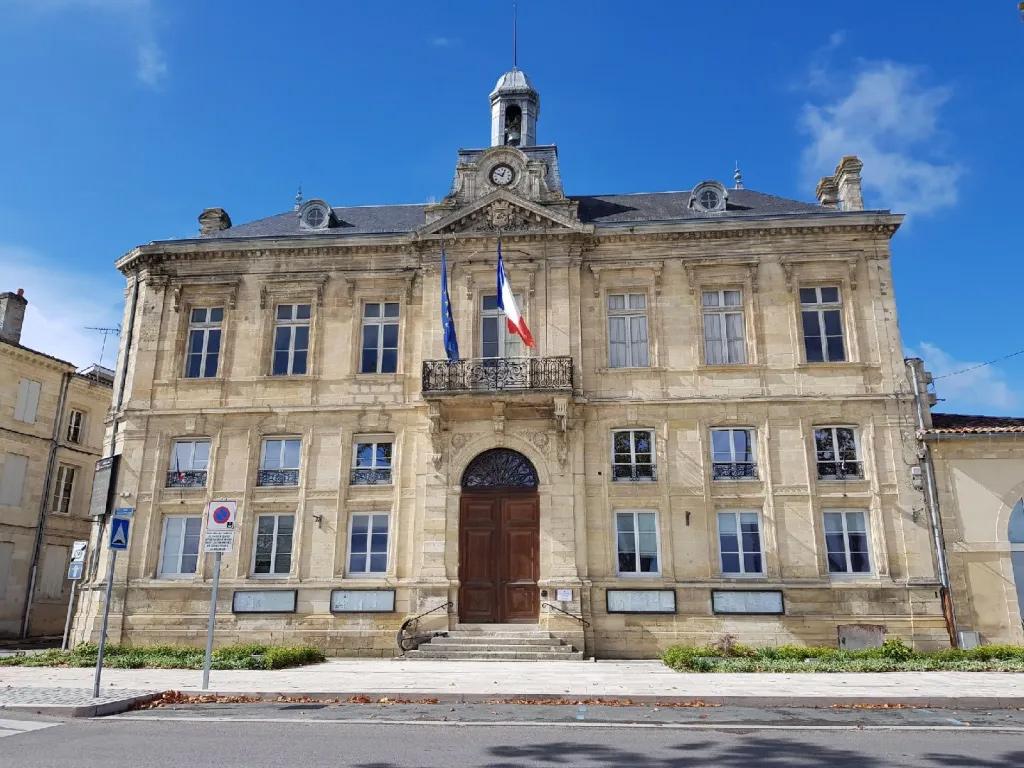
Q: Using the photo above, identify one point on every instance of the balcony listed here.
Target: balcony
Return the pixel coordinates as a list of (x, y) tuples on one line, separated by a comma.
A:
[(186, 478), (739, 470), (276, 478), (511, 374), (371, 476)]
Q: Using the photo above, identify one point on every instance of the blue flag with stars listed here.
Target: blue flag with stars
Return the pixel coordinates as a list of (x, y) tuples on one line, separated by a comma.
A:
[(451, 342)]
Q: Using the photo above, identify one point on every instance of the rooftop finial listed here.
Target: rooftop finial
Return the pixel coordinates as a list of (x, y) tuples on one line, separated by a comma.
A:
[(737, 177), (515, 35), (298, 198)]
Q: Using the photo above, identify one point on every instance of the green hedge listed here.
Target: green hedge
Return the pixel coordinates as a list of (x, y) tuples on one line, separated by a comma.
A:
[(894, 655), (245, 656)]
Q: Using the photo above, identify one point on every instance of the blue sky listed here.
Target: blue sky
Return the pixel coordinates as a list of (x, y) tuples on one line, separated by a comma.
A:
[(123, 119)]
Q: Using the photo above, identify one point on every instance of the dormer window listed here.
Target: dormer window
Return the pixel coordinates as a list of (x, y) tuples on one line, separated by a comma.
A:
[(709, 197), (315, 214)]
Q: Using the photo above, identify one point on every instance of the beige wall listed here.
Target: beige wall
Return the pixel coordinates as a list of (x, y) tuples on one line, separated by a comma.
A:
[(980, 479), (564, 280), (19, 522)]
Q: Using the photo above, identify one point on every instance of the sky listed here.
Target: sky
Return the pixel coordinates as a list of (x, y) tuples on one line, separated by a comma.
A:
[(123, 119)]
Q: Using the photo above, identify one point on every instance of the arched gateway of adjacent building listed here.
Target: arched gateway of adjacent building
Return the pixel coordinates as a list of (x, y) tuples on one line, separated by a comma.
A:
[(499, 539)]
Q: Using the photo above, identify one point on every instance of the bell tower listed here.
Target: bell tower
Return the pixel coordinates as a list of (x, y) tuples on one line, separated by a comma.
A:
[(515, 106)]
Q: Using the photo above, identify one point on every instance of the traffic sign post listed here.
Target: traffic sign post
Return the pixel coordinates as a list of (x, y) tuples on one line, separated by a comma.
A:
[(220, 533), (120, 526), (75, 570)]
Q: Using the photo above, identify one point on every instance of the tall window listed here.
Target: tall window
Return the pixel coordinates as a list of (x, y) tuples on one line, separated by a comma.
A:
[(636, 537), (63, 489), (633, 455), (627, 330), (380, 337), (821, 312), (496, 340), (12, 479), (272, 555), (291, 339), (724, 340), (204, 330), (179, 551), (27, 404), (739, 543), (846, 539), (732, 454), (279, 461), (189, 462), (76, 424), (371, 462), (838, 453), (368, 544)]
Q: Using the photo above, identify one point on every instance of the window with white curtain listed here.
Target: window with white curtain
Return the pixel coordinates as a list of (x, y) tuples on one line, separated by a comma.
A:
[(63, 489), (724, 340), (179, 549), (636, 542), (627, 330), (496, 340)]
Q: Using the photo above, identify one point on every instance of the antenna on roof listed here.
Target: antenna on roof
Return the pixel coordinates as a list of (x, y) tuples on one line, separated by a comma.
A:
[(515, 35), (106, 332), (737, 177), (298, 198)]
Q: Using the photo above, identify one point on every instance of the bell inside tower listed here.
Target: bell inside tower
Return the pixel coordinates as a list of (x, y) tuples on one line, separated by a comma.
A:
[(513, 126)]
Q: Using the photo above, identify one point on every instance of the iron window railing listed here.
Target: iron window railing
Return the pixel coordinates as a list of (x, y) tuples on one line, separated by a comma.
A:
[(733, 470), (277, 477), (186, 478), (371, 476), (840, 470), (498, 373), (634, 472)]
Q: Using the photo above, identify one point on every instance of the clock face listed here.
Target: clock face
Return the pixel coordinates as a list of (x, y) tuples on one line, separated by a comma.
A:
[(502, 175)]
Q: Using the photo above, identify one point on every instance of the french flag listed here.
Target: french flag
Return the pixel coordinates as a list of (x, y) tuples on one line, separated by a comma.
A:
[(507, 304)]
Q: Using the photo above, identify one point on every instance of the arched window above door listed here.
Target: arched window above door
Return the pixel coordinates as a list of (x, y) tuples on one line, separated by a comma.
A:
[(500, 468)]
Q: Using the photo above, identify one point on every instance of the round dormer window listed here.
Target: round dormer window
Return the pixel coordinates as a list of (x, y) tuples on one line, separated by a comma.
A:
[(315, 214), (709, 197)]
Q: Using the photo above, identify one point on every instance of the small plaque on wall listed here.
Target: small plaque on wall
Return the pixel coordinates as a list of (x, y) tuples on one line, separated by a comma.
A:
[(761, 601), (641, 600), (362, 601), (264, 601)]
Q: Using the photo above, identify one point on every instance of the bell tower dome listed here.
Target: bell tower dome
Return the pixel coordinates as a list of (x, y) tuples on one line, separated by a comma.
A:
[(515, 106)]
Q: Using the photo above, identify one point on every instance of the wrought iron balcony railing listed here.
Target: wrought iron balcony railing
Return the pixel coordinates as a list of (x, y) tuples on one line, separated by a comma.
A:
[(497, 374), (634, 472), (840, 470), (186, 478), (369, 476), (739, 470), (277, 477)]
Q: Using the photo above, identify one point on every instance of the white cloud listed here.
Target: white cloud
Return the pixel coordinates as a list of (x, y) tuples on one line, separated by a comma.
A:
[(61, 305), (443, 42), (152, 64), (985, 390), (890, 118)]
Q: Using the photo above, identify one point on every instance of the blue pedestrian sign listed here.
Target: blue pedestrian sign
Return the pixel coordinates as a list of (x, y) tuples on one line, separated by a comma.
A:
[(119, 532)]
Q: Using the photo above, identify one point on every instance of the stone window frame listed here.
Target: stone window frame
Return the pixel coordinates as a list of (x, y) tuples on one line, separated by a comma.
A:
[(162, 543), (186, 295), (303, 440), (291, 289), (627, 312), (634, 511), (79, 428), (390, 564), (818, 272), (655, 462), (386, 286), (753, 438), (873, 571), (374, 438), (627, 277), (727, 275), (292, 559), (62, 503), (479, 280), (172, 442), (736, 511), (858, 446)]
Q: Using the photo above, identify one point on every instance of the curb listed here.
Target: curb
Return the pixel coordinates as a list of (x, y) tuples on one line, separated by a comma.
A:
[(109, 707)]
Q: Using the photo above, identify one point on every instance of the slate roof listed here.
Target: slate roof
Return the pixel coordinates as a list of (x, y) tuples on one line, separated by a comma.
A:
[(601, 210), (964, 424)]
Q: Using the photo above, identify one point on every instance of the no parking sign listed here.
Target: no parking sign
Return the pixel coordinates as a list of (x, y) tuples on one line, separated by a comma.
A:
[(220, 526)]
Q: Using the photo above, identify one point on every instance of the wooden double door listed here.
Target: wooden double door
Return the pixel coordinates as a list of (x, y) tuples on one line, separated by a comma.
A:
[(499, 557)]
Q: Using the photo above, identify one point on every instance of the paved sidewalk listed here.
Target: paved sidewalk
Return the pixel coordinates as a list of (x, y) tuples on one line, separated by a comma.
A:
[(475, 680)]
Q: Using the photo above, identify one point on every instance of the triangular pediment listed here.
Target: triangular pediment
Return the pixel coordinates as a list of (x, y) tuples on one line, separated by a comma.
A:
[(505, 213)]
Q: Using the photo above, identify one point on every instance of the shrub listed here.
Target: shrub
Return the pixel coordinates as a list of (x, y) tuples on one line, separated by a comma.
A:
[(292, 656), (894, 649)]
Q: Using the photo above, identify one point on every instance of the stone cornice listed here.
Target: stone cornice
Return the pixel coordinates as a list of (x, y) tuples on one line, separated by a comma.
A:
[(869, 223)]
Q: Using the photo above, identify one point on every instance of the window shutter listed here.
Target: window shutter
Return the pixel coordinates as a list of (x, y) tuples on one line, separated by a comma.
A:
[(13, 479)]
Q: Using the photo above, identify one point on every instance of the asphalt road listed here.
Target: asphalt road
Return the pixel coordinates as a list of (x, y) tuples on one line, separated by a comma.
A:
[(507, 736)]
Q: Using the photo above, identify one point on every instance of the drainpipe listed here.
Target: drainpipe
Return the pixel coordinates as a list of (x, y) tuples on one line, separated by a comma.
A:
[(58, 421), (931, 496)]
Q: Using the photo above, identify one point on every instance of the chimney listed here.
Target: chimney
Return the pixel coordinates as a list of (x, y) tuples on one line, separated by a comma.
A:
[(12, 315), (848, 183), (827, 192), (213, 220)]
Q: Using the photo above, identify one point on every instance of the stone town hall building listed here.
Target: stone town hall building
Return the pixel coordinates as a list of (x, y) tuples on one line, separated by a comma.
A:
[(712, 434)]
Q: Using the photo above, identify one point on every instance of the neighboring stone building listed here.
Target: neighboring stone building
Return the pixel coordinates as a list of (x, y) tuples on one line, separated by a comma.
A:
[(709, 437), (979, 468), (51, 434)]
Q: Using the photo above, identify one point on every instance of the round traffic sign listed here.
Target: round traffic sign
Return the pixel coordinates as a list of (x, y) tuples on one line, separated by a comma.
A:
[(221, 515)]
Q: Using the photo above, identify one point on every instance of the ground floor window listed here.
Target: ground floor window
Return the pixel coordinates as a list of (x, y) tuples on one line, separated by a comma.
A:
[(272, 555), (846, 539), (368, 544), (636, 536), (179, 550), (739, 538)]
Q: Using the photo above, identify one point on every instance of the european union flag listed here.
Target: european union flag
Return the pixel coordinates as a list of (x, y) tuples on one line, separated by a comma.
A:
[(451, 342)]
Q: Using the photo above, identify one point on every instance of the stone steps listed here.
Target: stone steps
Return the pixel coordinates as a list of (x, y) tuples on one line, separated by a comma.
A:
[(496, 642)]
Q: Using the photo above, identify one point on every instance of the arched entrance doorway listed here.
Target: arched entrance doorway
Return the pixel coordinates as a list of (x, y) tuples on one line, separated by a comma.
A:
[(499, 539)]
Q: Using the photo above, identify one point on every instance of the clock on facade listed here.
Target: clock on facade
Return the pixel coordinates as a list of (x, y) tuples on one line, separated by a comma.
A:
[(502, 175)]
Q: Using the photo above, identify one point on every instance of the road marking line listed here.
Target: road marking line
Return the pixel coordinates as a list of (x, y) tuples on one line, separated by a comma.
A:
[(574, 724), (14, 727)]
